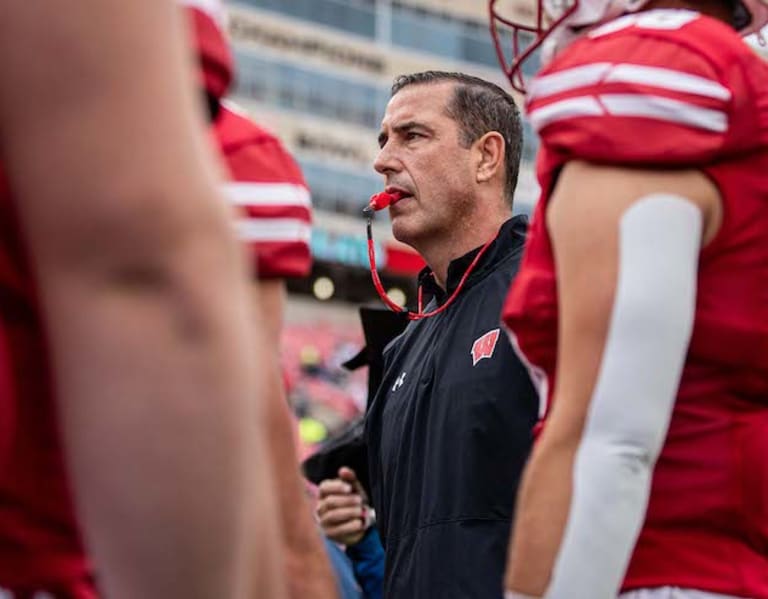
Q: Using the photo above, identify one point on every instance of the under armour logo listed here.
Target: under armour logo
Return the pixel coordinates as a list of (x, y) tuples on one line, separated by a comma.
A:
[(484, 346), (399, 382)]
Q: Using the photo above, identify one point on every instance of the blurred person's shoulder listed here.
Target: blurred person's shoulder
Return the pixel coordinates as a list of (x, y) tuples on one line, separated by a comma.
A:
[(251, 150), (234, 126)]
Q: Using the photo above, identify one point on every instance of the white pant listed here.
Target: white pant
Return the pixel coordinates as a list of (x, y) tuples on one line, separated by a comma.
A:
[(673, 593)]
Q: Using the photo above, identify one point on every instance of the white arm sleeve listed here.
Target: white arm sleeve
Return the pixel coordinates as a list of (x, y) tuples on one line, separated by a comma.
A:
[(628, 417)]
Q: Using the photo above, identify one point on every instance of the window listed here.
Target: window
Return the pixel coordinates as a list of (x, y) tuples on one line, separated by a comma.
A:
[(424, 32), (347, 15), (339, 190), (309, 91)]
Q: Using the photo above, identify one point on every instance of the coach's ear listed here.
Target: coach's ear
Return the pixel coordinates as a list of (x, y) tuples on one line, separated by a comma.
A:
[(489, 153)]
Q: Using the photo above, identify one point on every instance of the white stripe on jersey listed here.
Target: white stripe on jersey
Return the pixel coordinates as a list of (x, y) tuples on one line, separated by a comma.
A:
[(631, 105), (567, 79), (666, 109), (606, 72), (565, 109), (669, 79), (268, 194), (288, 230)]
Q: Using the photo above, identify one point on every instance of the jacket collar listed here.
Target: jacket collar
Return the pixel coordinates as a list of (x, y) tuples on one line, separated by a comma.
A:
[(511, 236)]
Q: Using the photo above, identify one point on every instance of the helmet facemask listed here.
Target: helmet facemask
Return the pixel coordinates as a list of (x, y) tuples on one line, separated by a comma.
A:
[(557, 23), (509, 26)]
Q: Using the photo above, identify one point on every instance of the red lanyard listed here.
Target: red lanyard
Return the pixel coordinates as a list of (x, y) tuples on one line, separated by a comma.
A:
[(420, 313)]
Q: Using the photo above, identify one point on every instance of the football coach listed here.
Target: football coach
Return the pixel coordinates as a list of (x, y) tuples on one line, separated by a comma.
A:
[(450, 428)]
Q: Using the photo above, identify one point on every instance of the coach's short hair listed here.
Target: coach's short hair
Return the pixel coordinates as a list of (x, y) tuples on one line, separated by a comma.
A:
[(479, 106)]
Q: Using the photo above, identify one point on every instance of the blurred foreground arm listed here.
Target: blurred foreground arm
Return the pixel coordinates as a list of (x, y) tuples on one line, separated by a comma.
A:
[(308, 569), (144, 298)]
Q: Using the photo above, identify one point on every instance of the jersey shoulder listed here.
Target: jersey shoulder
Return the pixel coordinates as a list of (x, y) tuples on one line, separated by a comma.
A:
[(234, 125), (662, 87), (251, 152), (267, 187)]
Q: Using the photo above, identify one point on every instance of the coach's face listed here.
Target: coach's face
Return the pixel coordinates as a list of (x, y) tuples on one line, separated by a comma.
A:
[(422, 157)]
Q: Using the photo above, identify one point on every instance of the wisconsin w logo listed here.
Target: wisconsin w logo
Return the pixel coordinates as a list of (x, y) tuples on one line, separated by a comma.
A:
[(484, 346)]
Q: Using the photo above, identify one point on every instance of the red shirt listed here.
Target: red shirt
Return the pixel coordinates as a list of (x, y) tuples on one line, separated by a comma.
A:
[(671, 89), (269, 190), (40, 548)]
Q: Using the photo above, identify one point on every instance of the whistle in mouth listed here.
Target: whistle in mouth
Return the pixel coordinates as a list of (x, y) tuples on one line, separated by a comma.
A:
[(381, 200)]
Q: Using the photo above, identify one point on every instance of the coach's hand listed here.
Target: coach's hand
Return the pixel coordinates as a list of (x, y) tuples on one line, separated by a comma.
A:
[(343, 510)]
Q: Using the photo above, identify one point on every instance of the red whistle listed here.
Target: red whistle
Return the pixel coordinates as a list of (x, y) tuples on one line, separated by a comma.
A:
[(381, 200)]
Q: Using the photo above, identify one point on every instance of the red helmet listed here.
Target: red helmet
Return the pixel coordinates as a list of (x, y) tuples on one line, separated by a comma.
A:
[(556, 23), (216, 62)]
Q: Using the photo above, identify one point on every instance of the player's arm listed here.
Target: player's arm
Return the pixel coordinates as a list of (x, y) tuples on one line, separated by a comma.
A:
[(308, 569), (144, 297), (626, 246), (275, 224), (268, 300)]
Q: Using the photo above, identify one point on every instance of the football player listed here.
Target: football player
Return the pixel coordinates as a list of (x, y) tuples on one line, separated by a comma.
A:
[(273, 219), (642, 302), (123, 315)]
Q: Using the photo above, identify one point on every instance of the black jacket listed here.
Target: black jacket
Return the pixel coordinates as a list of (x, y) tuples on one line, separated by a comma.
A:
[(448, 438)]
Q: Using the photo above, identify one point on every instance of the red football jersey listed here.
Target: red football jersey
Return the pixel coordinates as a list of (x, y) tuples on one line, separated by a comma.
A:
[(671, 89), (40, 548), (269, 191)]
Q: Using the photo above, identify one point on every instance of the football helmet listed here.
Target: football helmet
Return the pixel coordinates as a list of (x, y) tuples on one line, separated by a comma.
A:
[(556, 23)]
